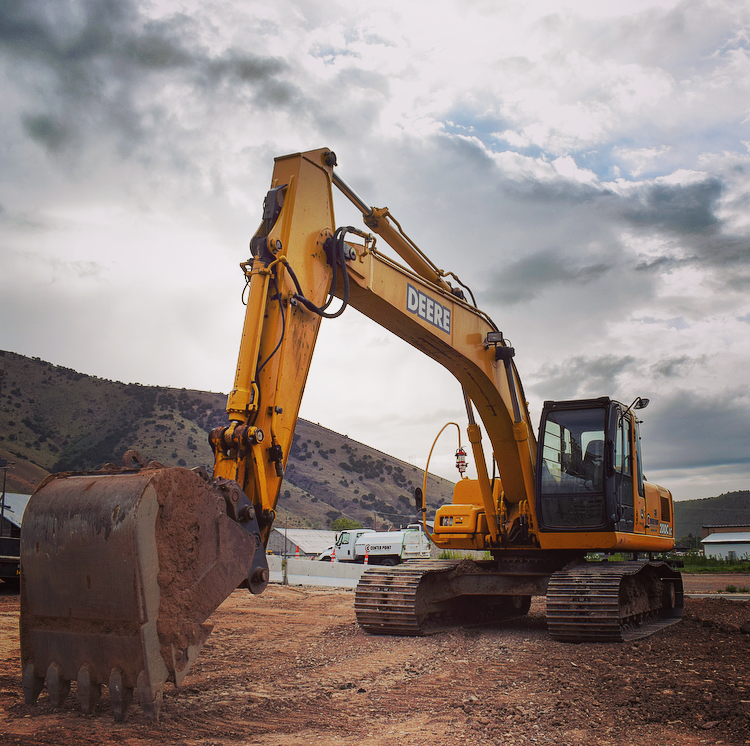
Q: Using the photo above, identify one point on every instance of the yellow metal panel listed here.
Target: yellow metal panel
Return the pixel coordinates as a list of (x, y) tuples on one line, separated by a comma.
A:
[(466, 492), (605, 541), (456, 519)]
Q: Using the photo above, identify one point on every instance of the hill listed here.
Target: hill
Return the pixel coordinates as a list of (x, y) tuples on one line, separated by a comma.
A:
[(731, 508), (57, 419)]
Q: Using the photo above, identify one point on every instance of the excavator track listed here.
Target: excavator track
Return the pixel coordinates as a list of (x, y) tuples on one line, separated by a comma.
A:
[(589, 602), (613, 602), (422, 597)]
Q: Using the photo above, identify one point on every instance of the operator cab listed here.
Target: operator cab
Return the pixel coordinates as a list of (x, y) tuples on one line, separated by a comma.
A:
[(588, 466)]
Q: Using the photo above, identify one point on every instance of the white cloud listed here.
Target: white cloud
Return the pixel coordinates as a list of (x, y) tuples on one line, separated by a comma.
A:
[(567, 167), (642, 158)]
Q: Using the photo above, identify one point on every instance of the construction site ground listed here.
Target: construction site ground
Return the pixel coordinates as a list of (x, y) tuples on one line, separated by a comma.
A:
[(291, 667)]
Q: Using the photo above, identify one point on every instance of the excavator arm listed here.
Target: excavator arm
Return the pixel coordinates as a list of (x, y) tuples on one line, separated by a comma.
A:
[(279, 333)]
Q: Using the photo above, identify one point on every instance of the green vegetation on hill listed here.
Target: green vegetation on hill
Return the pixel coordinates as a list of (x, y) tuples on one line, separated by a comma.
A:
[(56, 419), (729, 509)]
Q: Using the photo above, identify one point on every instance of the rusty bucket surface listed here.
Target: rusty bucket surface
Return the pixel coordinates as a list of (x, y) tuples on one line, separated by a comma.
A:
[(119, 572)]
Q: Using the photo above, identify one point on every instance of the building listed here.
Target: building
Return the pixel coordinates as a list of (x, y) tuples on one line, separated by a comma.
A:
[(12, 514), (12, 507), (310, 543), (727, 545), (709, 529)]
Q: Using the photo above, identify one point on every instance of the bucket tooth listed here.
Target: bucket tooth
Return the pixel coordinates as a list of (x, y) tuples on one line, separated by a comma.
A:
[(150, 697), (58, 686), (32, 684), (89, 692), (120, 696)]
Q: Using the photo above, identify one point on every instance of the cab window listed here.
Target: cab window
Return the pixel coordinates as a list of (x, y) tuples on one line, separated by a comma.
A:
[(572, 469), (623, 468)]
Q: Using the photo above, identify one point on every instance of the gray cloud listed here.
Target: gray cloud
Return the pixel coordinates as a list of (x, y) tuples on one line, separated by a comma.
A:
[(686, 430), (582, 377), (22, 220), (98, 72), (532, 275), (684, 217), (675, 367), (687, 217), (82, 269), (681, 209), (70, 33), (729, 251), (677, 39), (48, 131), (657, 264)]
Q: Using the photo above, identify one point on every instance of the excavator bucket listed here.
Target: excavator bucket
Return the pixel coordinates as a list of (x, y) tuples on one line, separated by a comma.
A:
[(119, 572)]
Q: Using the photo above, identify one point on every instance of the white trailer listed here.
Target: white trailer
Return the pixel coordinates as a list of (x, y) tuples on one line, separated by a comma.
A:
[(380, 547)]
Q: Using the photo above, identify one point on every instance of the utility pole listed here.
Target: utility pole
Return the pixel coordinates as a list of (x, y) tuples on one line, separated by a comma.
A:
[(4, 466), (285, 561)]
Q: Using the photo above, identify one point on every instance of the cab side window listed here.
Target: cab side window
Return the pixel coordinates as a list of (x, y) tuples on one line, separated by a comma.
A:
[(623, 467)]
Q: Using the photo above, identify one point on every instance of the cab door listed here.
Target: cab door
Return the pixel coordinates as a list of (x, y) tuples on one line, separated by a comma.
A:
[(623, 472), (344, 546)]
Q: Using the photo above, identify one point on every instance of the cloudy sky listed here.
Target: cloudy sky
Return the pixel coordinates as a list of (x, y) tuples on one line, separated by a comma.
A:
[(584, 169)]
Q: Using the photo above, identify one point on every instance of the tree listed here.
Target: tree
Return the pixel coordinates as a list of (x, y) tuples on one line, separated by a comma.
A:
[(689, 541), (342, 524)]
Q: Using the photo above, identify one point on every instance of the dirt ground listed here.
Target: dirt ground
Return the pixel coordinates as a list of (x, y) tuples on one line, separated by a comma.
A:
[(291, 667)]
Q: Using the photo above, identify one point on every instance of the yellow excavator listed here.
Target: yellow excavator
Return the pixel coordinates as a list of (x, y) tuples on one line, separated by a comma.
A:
[(121, 568)]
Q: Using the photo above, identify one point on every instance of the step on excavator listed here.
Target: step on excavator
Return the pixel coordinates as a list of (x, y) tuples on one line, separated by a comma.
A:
[(121, 568)]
